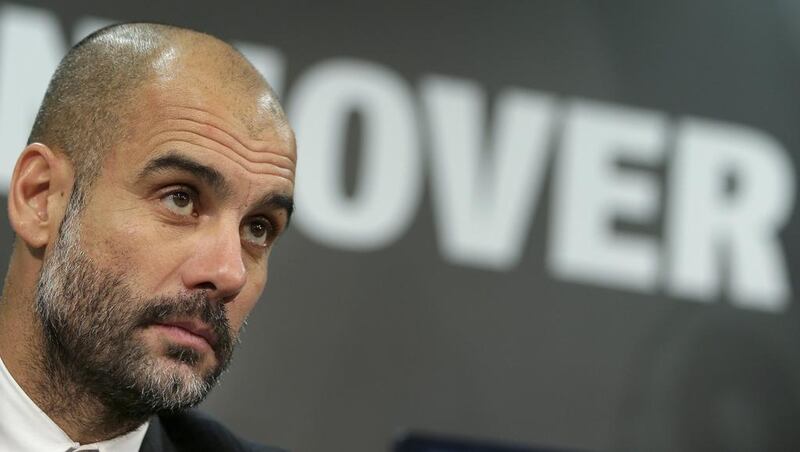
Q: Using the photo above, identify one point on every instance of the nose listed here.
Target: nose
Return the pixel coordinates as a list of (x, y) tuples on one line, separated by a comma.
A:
[(216, 265)]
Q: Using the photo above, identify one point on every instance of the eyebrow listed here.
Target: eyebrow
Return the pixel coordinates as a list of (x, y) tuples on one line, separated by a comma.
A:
[(175, 161), (280, 201), (213, 178)]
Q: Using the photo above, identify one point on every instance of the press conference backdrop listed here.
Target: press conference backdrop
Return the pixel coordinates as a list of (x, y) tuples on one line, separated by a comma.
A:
[(556, 223)]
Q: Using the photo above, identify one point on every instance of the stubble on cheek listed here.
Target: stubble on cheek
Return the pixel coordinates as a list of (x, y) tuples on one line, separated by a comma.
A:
[(143, 257)]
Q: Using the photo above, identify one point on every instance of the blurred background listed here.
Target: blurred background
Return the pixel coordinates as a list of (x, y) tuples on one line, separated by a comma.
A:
[(562, 223)]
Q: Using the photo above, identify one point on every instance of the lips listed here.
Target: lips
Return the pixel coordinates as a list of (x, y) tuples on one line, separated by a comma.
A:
[(194, 327)]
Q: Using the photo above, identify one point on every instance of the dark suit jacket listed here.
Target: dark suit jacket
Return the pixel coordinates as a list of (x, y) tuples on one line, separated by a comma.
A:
[(193, 431)]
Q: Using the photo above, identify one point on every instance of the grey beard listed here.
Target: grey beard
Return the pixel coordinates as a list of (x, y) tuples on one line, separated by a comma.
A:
[(90, 317)]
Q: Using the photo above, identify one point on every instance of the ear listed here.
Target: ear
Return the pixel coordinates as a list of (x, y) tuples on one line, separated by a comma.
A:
[(37, 196)]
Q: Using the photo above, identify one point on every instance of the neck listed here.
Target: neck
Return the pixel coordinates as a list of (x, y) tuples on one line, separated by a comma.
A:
[(51, 386), (81, 414)]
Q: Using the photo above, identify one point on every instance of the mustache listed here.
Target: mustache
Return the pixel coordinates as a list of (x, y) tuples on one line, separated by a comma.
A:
[(196, 306)]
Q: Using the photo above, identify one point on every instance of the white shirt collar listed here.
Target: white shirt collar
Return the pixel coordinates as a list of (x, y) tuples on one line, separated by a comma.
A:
[(23, 426)]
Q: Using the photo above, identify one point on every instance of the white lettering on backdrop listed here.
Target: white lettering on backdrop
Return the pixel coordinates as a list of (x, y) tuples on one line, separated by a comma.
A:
[(389, 182), (484, 184), (729, 188), (591, 192), (710, 226)]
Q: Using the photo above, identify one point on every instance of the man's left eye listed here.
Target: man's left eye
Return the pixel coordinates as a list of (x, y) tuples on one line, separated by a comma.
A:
[(256, 232)]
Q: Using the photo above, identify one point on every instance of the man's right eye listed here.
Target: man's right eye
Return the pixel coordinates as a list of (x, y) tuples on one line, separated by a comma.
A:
[(180, 202)]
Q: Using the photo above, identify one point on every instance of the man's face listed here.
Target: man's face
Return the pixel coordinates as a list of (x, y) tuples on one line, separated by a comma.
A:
[(149, 283)]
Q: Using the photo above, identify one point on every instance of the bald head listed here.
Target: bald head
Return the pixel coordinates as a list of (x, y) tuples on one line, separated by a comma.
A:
[(96, 91)]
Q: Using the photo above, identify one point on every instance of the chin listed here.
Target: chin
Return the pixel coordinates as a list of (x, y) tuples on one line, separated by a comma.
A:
[(168, 383), (173, 376)]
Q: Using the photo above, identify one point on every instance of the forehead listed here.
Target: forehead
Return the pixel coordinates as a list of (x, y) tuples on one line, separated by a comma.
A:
[(234, 132)]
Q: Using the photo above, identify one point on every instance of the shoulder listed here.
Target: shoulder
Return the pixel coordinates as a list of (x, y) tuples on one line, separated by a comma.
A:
[(196, 431)]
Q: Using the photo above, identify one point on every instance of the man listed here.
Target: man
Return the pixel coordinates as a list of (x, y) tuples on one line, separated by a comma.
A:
[(157, 177)]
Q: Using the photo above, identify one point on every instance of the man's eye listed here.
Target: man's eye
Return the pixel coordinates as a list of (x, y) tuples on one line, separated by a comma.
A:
[(256, 232), (179, 202)]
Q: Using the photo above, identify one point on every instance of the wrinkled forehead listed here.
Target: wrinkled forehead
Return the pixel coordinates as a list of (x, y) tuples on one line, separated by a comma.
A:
[(201, 68), (231, 131), (246, 112), (207, 99), (240, 95)]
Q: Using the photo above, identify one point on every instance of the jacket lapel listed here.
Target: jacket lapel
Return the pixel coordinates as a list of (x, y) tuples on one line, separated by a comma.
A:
[(156, 439)]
